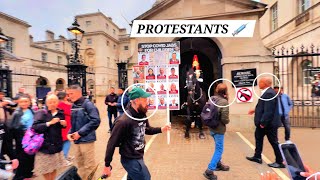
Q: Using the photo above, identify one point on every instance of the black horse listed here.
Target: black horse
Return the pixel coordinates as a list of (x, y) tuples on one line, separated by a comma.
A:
[(195, 102)]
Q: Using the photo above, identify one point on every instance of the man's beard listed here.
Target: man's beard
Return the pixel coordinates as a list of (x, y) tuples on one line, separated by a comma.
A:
[(142, 110)]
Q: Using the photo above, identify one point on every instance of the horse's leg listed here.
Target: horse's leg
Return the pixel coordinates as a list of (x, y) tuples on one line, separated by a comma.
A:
[(199, 123), (188, 123)]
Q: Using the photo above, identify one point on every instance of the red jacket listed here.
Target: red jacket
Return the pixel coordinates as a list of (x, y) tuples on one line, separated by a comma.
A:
[(67, 113)]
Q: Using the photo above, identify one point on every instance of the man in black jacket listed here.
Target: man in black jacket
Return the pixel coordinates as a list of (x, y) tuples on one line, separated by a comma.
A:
[(129, 134), (267, 122), (111, 102), (85, 120)]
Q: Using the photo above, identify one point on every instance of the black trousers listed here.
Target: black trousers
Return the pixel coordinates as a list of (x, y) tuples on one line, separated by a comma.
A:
[(26, 162), (286, 124), (192, 116), (272, 135)]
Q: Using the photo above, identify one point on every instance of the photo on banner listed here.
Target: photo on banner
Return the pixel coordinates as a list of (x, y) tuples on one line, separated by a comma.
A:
[(173, 71), (152, 102), (151, 88), (138, 74), (161, 87), (174, 57), (173, 87), (143, 59), (162, 103), (161, 72), (174, 102), (150, 72)]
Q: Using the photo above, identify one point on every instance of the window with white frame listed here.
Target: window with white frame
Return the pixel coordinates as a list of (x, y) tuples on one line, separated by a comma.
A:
[(44, 57), (88, 23), (59, 59), (306, 71), (57, 47), (89, 41), (126, 47), (274, 17), (303, 5), (9, 45)]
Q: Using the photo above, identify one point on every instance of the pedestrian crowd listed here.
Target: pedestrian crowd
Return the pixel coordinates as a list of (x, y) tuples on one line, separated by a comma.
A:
[(38, 140)]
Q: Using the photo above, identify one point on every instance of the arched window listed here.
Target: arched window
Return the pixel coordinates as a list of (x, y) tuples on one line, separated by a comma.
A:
[(60, 84), (306, 71)]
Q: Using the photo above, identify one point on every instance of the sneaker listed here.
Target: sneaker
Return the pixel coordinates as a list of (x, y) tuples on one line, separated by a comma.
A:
[(222, 167), (67, 163), (210, 175), (288, 142), (70, 158)]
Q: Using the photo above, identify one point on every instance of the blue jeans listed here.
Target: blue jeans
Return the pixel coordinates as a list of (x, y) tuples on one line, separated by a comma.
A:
[(65, 148), (110, 118), (219, 141), (136, 169)]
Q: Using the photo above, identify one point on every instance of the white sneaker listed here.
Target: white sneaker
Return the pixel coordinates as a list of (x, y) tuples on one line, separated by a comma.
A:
[(289, 142), (67, 163), (70, 158)]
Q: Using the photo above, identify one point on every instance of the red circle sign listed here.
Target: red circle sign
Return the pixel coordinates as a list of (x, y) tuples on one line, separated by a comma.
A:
[(241, 93)]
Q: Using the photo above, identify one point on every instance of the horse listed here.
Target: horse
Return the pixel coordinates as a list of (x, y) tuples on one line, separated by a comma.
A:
[(196, 100)]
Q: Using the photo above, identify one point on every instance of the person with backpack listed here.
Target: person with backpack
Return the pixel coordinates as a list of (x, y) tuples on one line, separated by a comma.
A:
[(85, 120), (49, 123), (219, 118), (22, 120)]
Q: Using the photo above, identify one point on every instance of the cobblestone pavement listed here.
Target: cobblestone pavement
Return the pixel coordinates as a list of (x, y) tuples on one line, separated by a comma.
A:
[(187, 159)]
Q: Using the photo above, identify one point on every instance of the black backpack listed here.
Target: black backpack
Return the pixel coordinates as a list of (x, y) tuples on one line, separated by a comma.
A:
[(210, 114)]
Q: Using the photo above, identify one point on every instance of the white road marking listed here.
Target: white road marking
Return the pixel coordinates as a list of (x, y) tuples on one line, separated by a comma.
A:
[(145, 150), (264, 158)]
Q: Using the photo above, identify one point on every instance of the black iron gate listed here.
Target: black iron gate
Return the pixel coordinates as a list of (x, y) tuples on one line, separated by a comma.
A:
[(299, 72)]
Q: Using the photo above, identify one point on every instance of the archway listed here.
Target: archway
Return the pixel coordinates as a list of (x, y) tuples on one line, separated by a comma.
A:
[(42, 88), (60, 84), (209, 57)]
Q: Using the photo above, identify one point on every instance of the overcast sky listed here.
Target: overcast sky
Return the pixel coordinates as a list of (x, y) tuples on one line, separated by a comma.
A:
[(58, 15)]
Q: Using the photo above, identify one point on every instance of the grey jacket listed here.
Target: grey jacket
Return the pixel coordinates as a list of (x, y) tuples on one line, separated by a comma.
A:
[(223, 116)]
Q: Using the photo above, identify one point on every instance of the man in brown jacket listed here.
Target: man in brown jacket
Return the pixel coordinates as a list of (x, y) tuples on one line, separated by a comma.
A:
[(221, 99)]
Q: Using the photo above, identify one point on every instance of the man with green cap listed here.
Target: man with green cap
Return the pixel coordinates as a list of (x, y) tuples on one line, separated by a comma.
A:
[(128, 133)]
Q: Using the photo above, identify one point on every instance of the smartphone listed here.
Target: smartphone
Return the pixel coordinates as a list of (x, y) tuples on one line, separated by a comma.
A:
[(293, 160)]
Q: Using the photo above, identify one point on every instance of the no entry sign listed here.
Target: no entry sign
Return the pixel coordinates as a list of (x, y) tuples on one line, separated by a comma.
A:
[(244, 94)]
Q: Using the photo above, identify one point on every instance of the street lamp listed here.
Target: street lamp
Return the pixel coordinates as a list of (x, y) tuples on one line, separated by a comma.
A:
[(5, 72), (76, 68)]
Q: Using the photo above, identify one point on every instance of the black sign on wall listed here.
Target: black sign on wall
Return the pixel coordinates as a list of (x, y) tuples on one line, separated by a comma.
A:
[(244, 77)]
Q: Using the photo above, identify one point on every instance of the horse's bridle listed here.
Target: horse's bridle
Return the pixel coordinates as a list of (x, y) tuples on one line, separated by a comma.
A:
[(195, 100)]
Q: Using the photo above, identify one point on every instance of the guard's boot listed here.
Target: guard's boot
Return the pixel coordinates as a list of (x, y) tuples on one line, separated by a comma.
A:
[(187, 135)]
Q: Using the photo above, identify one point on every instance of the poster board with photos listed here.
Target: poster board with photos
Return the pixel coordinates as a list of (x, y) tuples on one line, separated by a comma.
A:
[(161, 72)]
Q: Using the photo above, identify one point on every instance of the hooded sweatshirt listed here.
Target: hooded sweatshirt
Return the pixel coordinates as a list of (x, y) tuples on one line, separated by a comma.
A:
[(129, 134)]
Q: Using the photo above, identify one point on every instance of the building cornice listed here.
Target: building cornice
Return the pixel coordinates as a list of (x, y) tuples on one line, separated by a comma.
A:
[(14, 19), (47, 49), (166, 3), (96, 14), (290, 21), (101, 33)]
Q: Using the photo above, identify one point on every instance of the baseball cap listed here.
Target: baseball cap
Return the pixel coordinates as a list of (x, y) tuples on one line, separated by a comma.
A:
[(138, 93)]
